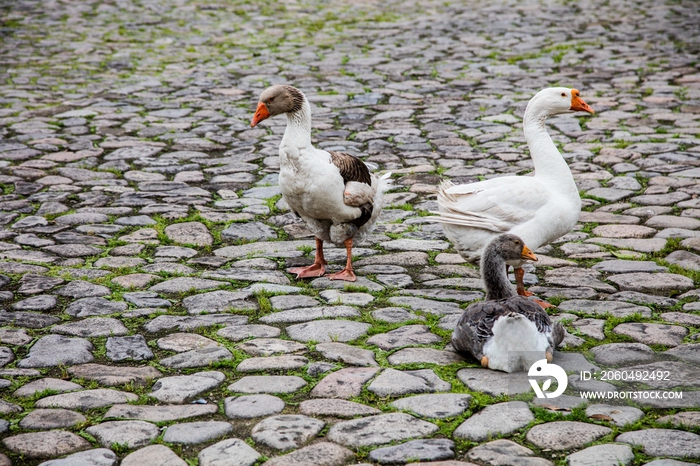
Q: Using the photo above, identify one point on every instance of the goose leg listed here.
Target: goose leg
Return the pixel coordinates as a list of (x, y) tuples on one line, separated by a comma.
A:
[(519, 284), (317, 269), (346, 274)]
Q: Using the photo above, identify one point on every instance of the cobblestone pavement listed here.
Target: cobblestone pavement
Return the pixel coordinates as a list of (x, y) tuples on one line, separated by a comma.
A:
[(147, 313)]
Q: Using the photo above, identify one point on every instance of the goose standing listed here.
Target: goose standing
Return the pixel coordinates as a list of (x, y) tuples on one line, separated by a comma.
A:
[(506, 332), (538, 208), (335, 194)]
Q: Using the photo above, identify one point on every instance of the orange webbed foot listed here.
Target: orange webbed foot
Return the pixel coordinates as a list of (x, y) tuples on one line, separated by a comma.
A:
[(312, 271), (345, 274)]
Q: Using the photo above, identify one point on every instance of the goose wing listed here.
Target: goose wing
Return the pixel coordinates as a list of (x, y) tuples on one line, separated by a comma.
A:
[(497, 205), (475, 326)]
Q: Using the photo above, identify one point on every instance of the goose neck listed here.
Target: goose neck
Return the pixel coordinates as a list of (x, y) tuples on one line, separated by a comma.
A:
[(547, 160), (298, 132), (493, 272)]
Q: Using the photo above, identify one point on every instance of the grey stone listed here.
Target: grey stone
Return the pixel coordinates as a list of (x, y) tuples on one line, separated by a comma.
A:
[(175, 286), (26, 319), (33, 284), (687, 352), (347, 354), (345, 383), (505, 452), (87, 307), (82, 289), (653, 334), (161, 323), (229, 452), (306, 314), (684, 259), (251, 231), (404, 336), (115, 375), (642, 298), (181, 342), (497, 419), (602, 455), (590, 327), (423, 356), (133, 434), (55, 350), (684, 418), (662, 283), (494, 383), (441, 405), (160, 413), (287, 431), (36, 303), (252, 406), (47, 444), (178, 389), (627, 266), (622, 354), (200, 357), (217, 301), (92, 327), (133, 347), (153, 455), (192, 433), (328, 330), (379, 430), (663, 442), (175, 252), (565, 435), (335, 408), (428, 450), (318, 454), (392, 382), (37, 386), (95, 457), (270, 346), (272, 363), (620, 415), (395, 315), (11, 336), (267, 384), (426, 305), (600, 308), (242, 332), (45, 419), (86, 399)]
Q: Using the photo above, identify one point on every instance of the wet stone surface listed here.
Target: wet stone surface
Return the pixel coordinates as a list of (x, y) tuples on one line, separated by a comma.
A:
[(141, 227)]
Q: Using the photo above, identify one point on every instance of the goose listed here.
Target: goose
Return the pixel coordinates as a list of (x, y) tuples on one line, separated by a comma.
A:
[(538, 208), (506, 332), (333, 192)]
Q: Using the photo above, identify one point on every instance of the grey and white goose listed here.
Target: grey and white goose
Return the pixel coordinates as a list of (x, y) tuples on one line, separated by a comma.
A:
[(506, 332), (333, 192)]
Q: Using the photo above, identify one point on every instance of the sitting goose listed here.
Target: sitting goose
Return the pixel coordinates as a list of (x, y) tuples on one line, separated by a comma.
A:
[(506, 332), (538, 208), (335, 194)]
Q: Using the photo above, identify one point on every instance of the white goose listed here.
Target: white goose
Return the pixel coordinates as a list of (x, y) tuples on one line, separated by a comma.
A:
[(333, 192), (538, 208)]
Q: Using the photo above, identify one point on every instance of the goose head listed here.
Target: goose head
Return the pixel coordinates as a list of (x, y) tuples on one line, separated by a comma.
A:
[(277, 100), (556, 100), (510, 248)]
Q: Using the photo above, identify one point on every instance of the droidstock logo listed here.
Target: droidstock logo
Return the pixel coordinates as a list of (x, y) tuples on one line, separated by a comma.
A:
[(542, 368)]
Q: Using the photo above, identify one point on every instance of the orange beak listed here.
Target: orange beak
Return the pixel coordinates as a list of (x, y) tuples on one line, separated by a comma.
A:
[(577, 103), (260, 114), (528, 254)]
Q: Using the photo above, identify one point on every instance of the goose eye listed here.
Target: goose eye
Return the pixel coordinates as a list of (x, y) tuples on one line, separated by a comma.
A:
[(563, 94), (518, 243), (270, 99)]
